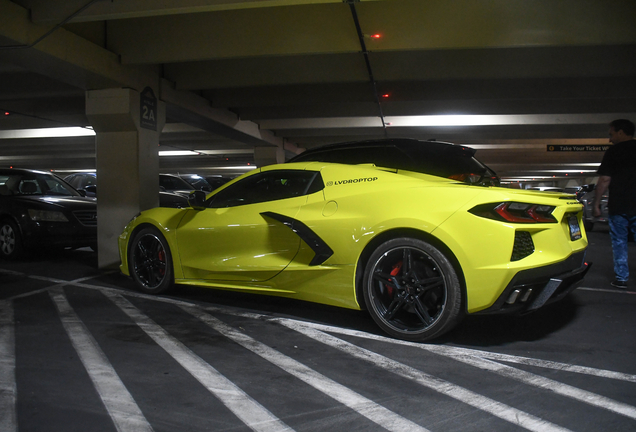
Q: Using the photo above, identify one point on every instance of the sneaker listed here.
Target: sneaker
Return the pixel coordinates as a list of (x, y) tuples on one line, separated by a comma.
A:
[(619, 283)]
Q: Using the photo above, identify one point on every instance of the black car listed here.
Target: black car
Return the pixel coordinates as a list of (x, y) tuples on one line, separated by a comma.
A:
[(87, 183), (175, 184), (40, 209), (198, 182), (428, 157)]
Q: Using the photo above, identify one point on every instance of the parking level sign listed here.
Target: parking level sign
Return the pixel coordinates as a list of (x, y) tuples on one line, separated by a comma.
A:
[(148, 108)]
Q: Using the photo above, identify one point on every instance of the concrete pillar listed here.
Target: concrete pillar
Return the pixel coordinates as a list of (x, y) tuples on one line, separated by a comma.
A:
[(268, 155), (127, 125)]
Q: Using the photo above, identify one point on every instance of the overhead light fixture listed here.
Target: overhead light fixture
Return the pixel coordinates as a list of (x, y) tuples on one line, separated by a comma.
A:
[(74, 170), (74, 131), (178, 153), (231, 168)]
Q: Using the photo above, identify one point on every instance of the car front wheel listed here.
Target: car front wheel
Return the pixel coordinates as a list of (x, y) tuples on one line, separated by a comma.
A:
[(150, 261), (412, 290), (10, 240)]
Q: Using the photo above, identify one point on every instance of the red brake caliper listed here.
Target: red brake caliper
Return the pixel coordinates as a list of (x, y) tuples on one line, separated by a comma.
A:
[(162, 257), (396, 269)]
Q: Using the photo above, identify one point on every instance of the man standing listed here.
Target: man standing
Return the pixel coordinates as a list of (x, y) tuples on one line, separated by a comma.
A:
[(617, 172)]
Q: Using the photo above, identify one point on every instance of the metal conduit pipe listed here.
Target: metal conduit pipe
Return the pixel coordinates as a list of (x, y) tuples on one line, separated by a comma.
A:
[(365, 53)]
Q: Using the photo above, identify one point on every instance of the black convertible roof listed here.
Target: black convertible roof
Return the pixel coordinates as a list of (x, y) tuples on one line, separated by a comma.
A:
[(401, 143), (428, 157)]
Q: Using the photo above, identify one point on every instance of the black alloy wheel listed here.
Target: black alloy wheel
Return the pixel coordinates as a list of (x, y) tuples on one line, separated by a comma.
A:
[(150, 261), (412, 290), (10, 240)]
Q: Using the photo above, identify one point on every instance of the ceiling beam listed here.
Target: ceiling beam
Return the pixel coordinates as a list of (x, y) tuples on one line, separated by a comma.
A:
[(404, 25), (68, 58), (53, 11)]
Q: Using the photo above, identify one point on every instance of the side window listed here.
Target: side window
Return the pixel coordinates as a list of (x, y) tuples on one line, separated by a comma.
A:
[(268, 186), (29, 187), (90, 180), (74, 181), (4, 188), (166, 183)]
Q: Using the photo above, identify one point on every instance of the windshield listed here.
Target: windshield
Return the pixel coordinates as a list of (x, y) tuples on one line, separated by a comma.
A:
[(34, 184), (170, 183), (199, 183)]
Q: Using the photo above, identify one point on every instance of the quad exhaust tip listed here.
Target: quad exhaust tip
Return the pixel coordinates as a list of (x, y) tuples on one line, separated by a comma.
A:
[(519, 294)]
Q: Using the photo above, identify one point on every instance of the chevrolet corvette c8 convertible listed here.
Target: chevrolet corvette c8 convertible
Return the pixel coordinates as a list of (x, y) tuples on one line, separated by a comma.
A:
[(416, 232)]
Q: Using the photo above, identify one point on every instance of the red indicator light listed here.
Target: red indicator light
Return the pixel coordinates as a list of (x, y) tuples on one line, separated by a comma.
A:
[(7, 113), (376, 36), (386, 95)]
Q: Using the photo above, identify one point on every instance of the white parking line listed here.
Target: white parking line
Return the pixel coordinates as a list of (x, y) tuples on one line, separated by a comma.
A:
[(119, 403), (229, 310), (363, 406), (608, 290), (483, 403), (8, 389), (548, 384), (476, 358), (451, 351), (253, 414)]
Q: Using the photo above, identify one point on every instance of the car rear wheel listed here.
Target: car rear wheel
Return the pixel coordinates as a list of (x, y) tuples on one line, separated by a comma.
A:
[(150, 261), (412, 290), (10, 240)]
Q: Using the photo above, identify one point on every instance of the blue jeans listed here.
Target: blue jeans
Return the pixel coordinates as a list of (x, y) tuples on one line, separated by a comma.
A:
[(620, 225)]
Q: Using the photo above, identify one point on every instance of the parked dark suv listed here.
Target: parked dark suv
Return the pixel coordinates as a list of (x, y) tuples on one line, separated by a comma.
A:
[(39, 209)]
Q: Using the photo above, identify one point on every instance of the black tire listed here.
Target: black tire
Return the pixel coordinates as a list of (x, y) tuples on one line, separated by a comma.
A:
[(150, 261), (589, 226), (412, 290), (11, 246)]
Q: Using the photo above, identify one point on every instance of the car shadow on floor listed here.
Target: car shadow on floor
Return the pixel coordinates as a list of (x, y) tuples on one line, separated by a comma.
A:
[(494, 330)]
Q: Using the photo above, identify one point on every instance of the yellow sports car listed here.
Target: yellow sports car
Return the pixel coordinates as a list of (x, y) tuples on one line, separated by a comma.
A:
[(416, 232)]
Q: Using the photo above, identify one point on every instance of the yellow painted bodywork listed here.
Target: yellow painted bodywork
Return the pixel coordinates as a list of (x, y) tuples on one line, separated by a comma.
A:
[(237, 248)]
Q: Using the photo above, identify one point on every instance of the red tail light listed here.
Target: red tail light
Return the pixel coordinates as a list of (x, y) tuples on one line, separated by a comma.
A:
[(516, 212), (467, 178)]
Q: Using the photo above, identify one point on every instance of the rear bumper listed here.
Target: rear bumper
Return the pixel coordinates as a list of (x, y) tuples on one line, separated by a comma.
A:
[(533, 288)]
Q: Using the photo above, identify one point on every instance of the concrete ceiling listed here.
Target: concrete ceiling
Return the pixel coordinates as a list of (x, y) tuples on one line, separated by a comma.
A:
[(294, 74)]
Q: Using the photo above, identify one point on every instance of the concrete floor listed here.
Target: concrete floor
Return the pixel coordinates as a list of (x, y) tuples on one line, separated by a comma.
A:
[(81, 350)]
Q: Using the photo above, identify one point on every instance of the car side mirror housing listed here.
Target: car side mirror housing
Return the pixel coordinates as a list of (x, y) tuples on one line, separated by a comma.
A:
[(196, 199)]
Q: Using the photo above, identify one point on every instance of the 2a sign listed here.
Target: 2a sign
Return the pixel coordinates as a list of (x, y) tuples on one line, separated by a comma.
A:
[(148, 109)]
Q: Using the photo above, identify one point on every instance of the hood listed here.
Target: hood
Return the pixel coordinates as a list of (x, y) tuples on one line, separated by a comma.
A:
[(61, 202)]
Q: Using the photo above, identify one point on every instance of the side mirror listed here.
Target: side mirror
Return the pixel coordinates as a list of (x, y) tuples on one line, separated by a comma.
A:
[(196, 199), (82, 192), (91, 189)]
